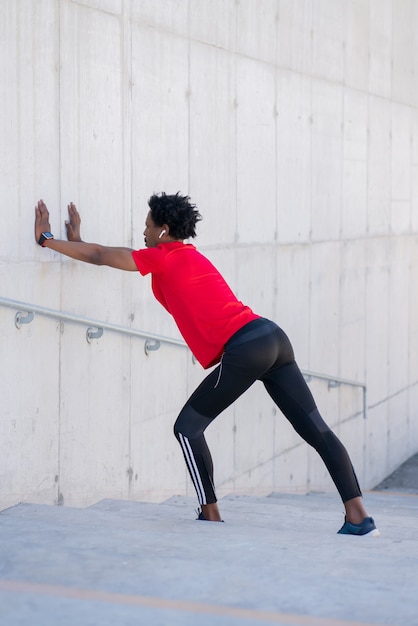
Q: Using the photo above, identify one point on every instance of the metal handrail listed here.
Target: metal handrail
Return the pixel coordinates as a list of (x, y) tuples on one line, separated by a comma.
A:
[(95, 327), (95, 330), (335, 381)]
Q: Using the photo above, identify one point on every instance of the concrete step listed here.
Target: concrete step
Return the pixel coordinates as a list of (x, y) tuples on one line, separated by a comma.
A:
[(277, 559)]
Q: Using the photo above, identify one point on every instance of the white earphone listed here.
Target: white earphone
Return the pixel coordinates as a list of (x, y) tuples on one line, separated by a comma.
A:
[(163, 232)]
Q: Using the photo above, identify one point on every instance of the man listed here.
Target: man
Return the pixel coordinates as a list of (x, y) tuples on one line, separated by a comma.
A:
[(220, 330)]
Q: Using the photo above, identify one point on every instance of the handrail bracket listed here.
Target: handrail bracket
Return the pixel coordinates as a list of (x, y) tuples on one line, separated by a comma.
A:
[(93, 334), (23, 317), (150, 345)]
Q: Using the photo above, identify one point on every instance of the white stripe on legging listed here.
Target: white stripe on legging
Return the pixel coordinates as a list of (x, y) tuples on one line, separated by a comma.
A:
[(194, 472)]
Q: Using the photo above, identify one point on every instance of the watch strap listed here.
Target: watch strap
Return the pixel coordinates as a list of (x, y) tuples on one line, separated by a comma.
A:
[(44, 237)]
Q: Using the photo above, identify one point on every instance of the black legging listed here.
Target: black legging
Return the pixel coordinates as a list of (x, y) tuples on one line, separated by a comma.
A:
[(258, 351)]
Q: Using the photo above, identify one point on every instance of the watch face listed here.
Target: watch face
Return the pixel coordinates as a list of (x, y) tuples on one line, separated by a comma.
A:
[(48, 235)]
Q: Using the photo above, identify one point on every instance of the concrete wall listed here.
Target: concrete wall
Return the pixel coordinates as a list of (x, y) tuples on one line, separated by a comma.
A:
[(294, 127)]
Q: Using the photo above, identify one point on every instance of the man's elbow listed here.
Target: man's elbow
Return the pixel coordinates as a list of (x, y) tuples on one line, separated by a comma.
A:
[(97, 256)]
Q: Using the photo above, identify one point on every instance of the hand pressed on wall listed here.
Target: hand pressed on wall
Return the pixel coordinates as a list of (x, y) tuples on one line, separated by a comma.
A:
[(41, 220), (72, 225)]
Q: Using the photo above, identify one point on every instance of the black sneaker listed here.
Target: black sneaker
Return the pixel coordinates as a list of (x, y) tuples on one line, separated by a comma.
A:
[(367, 527), (201, 517)]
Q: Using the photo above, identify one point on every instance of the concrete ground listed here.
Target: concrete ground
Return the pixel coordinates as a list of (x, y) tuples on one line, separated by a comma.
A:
[(276, 560)]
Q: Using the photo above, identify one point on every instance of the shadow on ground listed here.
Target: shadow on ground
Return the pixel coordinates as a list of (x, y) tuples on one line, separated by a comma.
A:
[(404, 478)]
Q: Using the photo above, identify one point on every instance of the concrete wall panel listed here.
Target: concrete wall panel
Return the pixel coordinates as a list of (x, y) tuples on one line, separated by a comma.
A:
[(97, 292), (291, 470), (380, 46), (327, 149), (324, 312), (168, 472), (92, 113), (354, 209), (164, 15), (412, 317), (253, 442), (401, 168), (212, 141), (377, 325), (399, 290), (349, 432), (352, 308), (30, 415), (293, 298), (257, 29), (94, 411), (414, 181), (294, 36), (214, 22), (108, 6), (414, 56), (354, 175), (294, 164), (379, 166), (356, 44), (160, 112), (415, 136), (349, 410), (155, 461), (399, 437), (29, 136), (256, 151), (412, 423), (327, 39), (377, 443), (403, 35), (256, 267), (414, 200)]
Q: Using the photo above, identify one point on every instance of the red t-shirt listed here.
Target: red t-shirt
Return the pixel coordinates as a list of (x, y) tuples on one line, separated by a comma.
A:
[(192, 290)]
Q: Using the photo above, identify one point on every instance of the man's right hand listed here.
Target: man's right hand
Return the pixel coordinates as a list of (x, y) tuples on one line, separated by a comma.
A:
[(72, 225)]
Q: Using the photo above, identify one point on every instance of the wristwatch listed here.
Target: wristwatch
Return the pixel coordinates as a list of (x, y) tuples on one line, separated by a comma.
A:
[(44, 237)]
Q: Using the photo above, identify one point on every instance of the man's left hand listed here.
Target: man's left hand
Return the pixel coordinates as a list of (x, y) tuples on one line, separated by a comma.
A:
[(41, 220)]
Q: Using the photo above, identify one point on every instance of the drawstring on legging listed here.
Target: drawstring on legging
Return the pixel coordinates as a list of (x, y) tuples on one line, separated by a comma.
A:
[(220, 372)]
